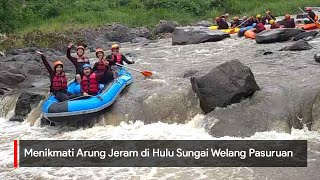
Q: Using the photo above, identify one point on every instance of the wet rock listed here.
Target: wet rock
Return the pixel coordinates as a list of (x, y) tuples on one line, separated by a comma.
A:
[(226, 84), (11, 79), (190, 73), (26, 102), (304, 35), (142, 32), (195, 35), (301, 45), (165, 27), (277, 35), (140, 40), (120, 33), (317, 57), (204, 23)]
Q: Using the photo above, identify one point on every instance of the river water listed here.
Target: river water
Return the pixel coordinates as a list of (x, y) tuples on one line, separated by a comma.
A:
[(286, 69)]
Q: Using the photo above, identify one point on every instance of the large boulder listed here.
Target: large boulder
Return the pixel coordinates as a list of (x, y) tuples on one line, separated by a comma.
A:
[(11, 79), (276, 35), (120, 33), (303, 35), (26, 102), (204, 23), (226, 84), (195, 35), (301, 45), (165, 27), (317, 57)]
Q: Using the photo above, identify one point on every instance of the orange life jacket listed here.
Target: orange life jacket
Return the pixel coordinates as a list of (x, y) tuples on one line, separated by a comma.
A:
[(59, 82), (90, 84)]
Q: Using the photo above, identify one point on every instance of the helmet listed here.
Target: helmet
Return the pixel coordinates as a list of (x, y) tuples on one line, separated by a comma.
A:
[(236, 18), (80, 47), (226, 15), (99, 50), (217, 18), (287, 16), (258, 16), (308, 8), (56, 63), (86, 66), (271, 21), (114, 46), (268, 12), (244, 17)]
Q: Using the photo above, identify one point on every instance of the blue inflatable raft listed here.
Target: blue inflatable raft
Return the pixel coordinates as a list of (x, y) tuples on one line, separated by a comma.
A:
[(78, 108)]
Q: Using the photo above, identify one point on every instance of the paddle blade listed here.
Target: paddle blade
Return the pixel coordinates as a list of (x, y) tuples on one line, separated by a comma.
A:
[(146, 73), (232, 31), (317, 25)]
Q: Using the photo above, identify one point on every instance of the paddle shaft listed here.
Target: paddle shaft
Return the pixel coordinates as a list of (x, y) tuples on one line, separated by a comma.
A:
[(308, 15), (128, 67), (241, 23)]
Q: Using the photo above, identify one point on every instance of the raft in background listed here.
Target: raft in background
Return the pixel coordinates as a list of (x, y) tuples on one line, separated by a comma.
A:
[(84, 108)]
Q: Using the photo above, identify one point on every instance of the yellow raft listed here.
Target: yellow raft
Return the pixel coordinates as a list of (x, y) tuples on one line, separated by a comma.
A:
[(229, 31)]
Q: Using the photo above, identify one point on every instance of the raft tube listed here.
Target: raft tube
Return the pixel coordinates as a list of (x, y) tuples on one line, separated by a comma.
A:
[(73, 110)]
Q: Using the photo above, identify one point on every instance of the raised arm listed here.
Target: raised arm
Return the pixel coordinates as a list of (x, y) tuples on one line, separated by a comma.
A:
[(46, 64), (71, 58)]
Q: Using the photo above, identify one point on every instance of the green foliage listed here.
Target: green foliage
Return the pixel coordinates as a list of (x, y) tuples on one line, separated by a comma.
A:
[(25, 16)]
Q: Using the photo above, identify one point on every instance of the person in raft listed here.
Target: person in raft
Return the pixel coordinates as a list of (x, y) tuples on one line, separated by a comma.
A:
[(274, 25), (222, 23), (236, 22), (90, 81), (268, 17), (78, 61), (102, 67), (289, 22), (116, 57), (312, 16), (58, 79)]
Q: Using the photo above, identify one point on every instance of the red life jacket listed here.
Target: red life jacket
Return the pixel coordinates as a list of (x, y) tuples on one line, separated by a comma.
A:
[(90, 84), (59, 82), (118, 58), (82, 59), (101, 66)]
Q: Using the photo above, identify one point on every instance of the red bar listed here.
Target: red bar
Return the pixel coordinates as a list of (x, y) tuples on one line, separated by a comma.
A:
[(15, 154)]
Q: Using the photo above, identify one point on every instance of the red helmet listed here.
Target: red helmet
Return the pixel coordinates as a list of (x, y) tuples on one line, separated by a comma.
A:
[(57, 63), (99, 50)]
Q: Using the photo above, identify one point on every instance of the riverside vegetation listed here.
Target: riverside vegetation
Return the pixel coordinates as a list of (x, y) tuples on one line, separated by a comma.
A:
[(22, 19)]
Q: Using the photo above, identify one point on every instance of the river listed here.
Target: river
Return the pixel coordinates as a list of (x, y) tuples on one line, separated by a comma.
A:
[(283, 68)]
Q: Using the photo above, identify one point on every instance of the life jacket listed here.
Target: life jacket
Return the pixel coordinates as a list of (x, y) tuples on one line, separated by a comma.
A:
[(59, 82), (118, 58), (82, 59), (90, 84), (101, 66)]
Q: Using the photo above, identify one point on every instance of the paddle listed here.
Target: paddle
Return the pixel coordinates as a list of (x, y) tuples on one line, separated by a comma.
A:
[(145, 73), (79, 97), (316, 23), (233, 29)]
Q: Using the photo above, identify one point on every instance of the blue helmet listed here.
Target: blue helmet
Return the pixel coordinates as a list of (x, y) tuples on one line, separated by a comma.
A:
[(86, 66)]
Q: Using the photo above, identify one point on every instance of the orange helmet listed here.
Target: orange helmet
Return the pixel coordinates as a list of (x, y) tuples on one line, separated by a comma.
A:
[(308, 9), (217, 18), (99, 50), (80, 47), (57, 63), (268, 12), (287, 16)]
